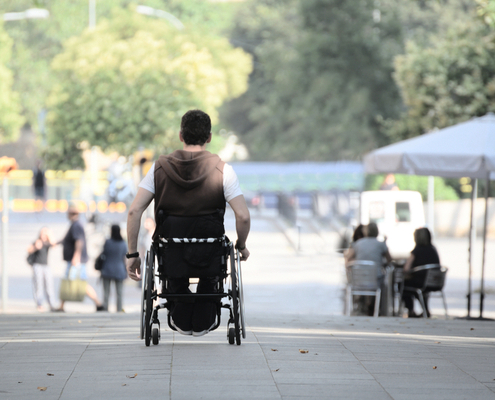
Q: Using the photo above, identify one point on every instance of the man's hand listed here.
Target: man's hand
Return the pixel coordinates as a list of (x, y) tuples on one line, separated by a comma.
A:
[(134, 268), (244, 254)]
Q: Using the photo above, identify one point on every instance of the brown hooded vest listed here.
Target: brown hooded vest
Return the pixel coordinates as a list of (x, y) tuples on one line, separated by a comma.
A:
[(189, 183)]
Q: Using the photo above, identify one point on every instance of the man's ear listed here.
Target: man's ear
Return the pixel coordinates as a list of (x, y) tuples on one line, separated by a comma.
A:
[(209, 139), (180, 137)]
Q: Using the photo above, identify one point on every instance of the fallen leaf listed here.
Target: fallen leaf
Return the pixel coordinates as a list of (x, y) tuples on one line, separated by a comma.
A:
[(275, 370), (435, 367), (274, 350), (472, 329), (124, 384), (130, 377), (303, 351), (438, 342), (50, 374), (42, 388)]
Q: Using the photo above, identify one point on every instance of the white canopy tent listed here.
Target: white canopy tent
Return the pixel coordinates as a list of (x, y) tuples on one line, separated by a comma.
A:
[(463, 150)]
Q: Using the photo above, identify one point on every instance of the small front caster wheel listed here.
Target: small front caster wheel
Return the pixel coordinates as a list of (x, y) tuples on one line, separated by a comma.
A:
[(231, 336), (156, 335)]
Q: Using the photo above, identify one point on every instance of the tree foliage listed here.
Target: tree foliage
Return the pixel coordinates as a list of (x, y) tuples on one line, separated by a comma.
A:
[(322, 78), (447, 82), (10, 118), (38, 41), (127, 83)]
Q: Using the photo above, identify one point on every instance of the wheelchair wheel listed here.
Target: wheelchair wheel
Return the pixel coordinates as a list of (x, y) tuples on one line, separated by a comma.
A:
[(240, 292), (231, 335), (235, 298), (149, 287), (143, 294), (156, 336)]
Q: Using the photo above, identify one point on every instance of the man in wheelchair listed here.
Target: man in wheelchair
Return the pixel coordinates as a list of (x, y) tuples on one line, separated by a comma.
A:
[(190, 189)]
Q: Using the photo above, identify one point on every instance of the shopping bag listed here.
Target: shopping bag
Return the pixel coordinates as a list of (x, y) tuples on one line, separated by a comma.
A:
[(72, 290)]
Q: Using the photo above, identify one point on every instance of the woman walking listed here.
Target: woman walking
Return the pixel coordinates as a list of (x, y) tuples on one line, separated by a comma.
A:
[(114, 268), (42, 275)]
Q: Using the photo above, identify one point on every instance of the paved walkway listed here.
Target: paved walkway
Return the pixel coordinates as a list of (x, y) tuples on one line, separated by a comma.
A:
[(99, 356), (298, 343)]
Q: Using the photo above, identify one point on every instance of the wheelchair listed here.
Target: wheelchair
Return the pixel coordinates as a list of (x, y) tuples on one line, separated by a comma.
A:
[(160, 269)]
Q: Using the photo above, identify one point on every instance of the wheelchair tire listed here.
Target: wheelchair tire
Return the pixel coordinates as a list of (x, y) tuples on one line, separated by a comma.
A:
[(231, 335), (235, 298), (156, 336), (240, 292), (149, 287), (143, 294)]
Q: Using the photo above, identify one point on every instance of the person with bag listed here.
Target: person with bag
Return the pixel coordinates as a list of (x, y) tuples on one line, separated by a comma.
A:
[(113, 266), (42, 275), (76, 255)]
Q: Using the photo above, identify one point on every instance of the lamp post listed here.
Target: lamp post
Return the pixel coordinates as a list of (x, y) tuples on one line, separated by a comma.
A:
[(32, 13), (153, 12)]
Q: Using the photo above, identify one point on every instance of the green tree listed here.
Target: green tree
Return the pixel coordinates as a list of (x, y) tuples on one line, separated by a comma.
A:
[(322, 78), (38, 41), (447, 82), (127, 83), (10, 118)]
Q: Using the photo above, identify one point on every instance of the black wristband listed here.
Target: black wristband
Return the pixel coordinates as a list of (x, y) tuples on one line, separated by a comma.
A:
[(132, 255), (238, 247)]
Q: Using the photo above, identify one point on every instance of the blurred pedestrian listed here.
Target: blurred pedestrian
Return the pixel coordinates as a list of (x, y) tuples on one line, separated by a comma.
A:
[(42, 275), (389, 183), (39, 183), (423, 253), (76, 255), (114, 268)]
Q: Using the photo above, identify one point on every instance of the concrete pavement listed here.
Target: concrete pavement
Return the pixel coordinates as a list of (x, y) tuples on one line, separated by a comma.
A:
[(99, 356), (298, 343)]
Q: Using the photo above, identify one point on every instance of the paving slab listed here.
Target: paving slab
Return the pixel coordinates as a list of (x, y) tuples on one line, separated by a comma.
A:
[(93, 356)]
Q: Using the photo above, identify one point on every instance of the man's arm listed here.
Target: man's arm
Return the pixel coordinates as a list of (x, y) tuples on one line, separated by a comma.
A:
[(76, 258), (141, 202), (242, 223)]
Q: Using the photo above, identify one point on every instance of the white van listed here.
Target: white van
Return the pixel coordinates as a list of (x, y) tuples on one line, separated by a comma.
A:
[(398, 213)]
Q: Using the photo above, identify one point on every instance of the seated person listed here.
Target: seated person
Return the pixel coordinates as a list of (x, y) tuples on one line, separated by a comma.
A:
[(369, 248), (356, 235), (423, 253), (187, 183)]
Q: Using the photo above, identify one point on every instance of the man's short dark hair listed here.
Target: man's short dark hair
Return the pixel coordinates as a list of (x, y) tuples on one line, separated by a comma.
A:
[(195, 127), (372, 230)]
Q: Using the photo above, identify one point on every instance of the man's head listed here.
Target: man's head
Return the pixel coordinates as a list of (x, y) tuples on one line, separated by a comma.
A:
[(195, 127), (73, 213), (372, 230)]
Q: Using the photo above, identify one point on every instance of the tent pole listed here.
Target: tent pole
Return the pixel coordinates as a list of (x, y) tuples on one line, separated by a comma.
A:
[(431, 205), (482, 288), (472, 236)]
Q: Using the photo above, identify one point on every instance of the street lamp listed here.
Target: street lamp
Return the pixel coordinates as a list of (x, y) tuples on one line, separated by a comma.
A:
[(160, 14), (32, 13)]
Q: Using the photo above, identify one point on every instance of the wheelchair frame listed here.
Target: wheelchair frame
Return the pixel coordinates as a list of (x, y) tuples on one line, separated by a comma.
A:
[(150, 294)]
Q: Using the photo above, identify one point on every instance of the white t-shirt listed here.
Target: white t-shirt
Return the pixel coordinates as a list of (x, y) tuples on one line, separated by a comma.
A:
[(231, 188)]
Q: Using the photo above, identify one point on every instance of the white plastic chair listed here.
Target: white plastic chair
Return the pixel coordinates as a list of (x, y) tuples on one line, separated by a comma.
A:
[(362, 280)]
